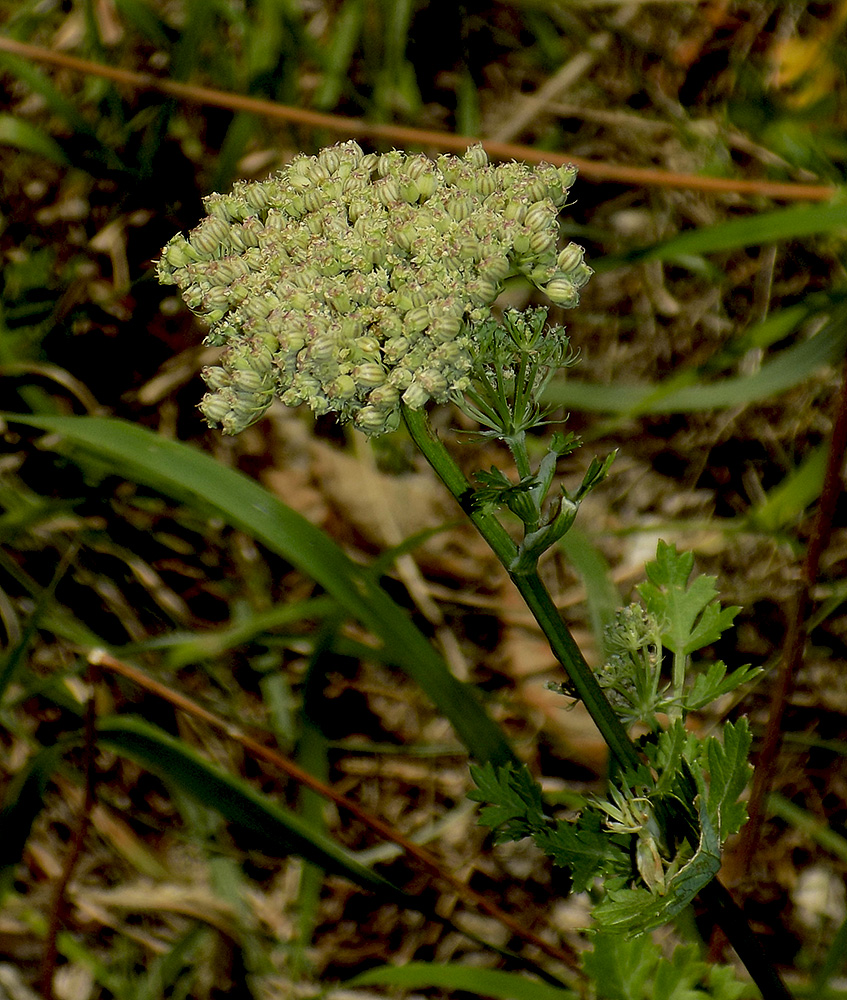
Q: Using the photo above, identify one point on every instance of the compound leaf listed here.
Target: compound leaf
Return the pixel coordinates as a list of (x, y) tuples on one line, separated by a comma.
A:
[(690, 614)]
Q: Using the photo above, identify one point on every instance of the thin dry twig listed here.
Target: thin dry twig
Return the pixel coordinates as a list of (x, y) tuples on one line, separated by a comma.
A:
[(359, 128)]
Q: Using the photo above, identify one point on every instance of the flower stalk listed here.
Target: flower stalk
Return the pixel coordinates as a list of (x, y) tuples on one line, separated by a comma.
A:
[(531, 588)]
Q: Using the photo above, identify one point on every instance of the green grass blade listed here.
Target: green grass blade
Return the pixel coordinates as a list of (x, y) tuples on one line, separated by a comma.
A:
[(787, 369), (480, 982), (145, 21), (191, 647), (795, 222), (22, 803), (40, 83), (281, 831), (167, 969), (187, 474), (809, 824), (21, 134), (790, 498), (601, 595), (347, 31)]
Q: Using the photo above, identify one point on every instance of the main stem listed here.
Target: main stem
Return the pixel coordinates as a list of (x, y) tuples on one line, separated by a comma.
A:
[(715, 896), (532, 590)]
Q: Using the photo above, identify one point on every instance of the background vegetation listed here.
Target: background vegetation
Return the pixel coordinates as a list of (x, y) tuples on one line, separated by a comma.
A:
[(714, 138)]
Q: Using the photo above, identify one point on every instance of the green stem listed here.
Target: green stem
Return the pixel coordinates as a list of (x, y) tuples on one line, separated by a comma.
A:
[(678, 684), (517, 446), (531, 588)]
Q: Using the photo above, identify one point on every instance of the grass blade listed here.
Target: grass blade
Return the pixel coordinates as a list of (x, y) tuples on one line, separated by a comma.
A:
[(281, 831), (601, 595), (789, 499), (21, 135), (23, 802), (479, 982), (787, 369), (767, 227), (187, 474)]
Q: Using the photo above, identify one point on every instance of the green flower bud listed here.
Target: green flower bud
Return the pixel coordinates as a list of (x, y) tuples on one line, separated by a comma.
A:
[(226, 270), (416, 319), (415, 396), (495, 267), (482, 290), (251, 382), (563, 292), (343, 388), (216, 299), (313, 199), (539, 216), (516, 210), (216, 378), (211, 237), (179, 252), (445, 328), (324, 346), (459, 208), (193, 296), (485, 183), (400, 378), (580, 275), (387, 191), (570, 257), (330, 159), (370, 420), (223, 206), (395, 349), (384, 397), (369, 374), (476, 156), (257, 196), (433, 381), (533, 188), (541, 243)]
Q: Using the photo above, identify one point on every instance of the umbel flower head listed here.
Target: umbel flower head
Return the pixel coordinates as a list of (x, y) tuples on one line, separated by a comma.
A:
[(352, 281)]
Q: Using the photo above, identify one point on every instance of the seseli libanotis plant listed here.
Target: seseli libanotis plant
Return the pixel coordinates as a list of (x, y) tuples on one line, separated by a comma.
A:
[(365, 285)]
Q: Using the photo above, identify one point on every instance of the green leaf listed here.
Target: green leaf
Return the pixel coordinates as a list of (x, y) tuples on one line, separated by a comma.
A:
[(635, 969), (583, 847), (667, 757), (516, 811), (729, 772), (187, 474), (470, 979), (690, 615), (622, 968), (678, 978), (716, 682), (281, 831), (514, 807), (633, 911)]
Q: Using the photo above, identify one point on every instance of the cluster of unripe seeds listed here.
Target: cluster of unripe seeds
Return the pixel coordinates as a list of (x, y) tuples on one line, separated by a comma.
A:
[(352, 281)]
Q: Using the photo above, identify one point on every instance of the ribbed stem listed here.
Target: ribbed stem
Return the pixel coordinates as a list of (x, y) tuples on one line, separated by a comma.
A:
[(531, 588)]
